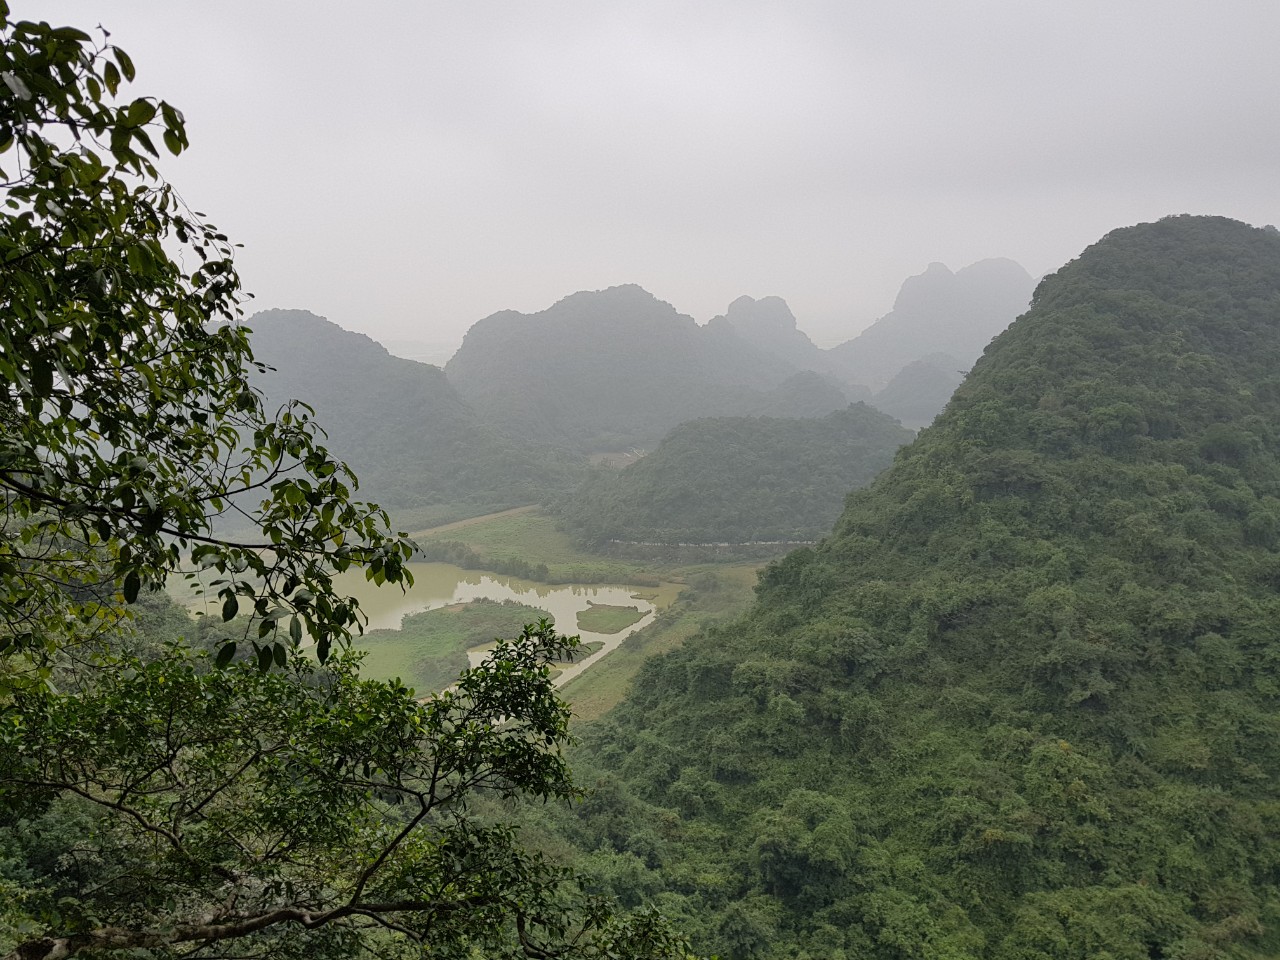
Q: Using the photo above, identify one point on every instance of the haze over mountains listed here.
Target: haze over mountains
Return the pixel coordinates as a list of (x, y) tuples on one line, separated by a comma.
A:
[(608, 369), (513, 414), (638, 367), (416, 441), (937, 312)]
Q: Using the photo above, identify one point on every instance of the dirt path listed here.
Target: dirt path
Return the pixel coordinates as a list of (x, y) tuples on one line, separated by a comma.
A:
[(459, 524)]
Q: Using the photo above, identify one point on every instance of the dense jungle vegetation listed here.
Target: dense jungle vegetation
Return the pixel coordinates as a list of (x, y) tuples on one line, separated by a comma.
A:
[(738, 479), (1024, 702)]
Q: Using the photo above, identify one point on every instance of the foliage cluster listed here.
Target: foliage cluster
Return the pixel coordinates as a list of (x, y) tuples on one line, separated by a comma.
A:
[(128, 419), (1024, 703)]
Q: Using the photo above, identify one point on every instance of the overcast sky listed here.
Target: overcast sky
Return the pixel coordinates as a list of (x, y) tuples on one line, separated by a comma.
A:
[(406, 168)]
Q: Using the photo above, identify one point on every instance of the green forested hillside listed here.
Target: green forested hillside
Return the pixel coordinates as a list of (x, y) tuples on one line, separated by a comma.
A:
[(1024, 702), (413, 439), (739, 479)]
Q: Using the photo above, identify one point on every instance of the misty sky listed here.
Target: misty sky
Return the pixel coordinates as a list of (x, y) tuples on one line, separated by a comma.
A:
[(406, 168)]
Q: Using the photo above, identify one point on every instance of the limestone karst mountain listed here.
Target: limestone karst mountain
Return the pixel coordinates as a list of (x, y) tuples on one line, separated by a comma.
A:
[(412, 438), (936, 312), (920, 390), (604, 369), (769, 325)]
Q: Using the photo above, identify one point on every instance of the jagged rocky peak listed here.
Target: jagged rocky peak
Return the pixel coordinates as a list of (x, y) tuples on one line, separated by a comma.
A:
[(769, 326), (925, 291), (770, 313), (937, 311)]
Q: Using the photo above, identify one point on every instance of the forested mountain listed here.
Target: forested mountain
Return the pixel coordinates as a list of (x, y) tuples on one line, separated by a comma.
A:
[(921, 389), (413, 440), (936, 312), (803, 394), (1024, 702), (739, 479), (606, 369)]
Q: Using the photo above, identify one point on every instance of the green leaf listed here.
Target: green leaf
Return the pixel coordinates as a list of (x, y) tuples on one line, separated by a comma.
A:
[(230, 607), (265, 657), (41, 376), (132, 584), (16, 84), (295, 629), (225, 655), (126, 64), (140, 112), (70, 33), (280, 655)]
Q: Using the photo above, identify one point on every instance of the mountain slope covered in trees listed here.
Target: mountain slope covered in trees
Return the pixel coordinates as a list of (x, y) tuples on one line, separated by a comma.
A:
[(1024, 702), (414, 440), (739, 479)]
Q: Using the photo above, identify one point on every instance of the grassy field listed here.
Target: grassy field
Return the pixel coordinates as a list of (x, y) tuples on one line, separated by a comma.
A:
[(531, 537), (604, 618), (443, 528)]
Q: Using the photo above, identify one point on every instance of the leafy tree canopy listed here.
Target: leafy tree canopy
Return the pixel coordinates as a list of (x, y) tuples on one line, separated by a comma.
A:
[(268, 802), (739, 480), (129, 423)]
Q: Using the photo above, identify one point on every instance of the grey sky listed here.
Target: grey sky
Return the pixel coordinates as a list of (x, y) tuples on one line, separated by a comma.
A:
[(406, 168)]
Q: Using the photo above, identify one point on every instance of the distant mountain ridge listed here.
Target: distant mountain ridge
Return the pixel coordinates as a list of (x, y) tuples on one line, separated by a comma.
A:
[(606, 369), (609, 368), (769, 325), (937, 312), (526, 396), (411, 438)]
